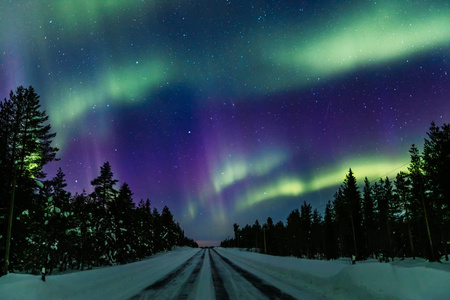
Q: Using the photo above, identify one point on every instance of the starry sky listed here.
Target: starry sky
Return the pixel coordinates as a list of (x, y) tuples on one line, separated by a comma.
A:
[(230, 111)]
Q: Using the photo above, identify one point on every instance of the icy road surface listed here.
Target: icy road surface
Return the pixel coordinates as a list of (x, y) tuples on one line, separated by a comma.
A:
[(209, 274), (233, 274)]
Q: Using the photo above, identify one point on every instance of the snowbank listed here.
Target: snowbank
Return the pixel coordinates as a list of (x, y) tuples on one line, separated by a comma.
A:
[(117, 282), (408, 279)]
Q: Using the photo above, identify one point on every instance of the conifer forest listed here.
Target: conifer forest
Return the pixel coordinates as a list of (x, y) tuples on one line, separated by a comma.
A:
[(405, 216), (43, 225)]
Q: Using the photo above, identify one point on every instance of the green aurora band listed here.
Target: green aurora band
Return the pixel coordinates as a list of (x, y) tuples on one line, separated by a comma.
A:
[(388, 30), (368, 35), (369, 166)]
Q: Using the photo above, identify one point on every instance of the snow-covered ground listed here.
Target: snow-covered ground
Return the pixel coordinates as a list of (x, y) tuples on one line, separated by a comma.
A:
[(234, 274), (117, 282), (407, 279)]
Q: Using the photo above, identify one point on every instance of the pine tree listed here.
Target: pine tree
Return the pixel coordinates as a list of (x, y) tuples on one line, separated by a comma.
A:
[(281, 241), (104, 196), (352, 198), (139, 229), (121, 211), (56, 209), (305, 230), (293, 233), (436, 161), (168, 228), (60, 195), (104, 191), (402, 186), (330, 239), (82, 232), (436, 165), (383, 198), (342, 219), (24, 150), (257, 235), (316, 234), (157, 244), (418, 188), (268, 232), (236, 234), (369, 227), (388, 201), (150, 222)]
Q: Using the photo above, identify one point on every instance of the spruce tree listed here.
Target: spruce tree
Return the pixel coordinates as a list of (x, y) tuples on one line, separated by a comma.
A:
[(122, 214), (342, 221), (104, 190), (352, 199), (436, 161), (257, 235), (402, 186), (388, 201), (369, 220), (54, 201), (305, 229), (83, 231), (316, 234), (268, 231), (146, 233), (24, 150), (418, 189), (293, 233), (330, 239), (436, 165), (281, 243), (103, 197), (139, 228), (170, 235), (158, 232), (236, 234)]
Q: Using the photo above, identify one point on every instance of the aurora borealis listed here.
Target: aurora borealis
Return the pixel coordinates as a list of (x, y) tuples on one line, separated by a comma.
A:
[(230, 111)]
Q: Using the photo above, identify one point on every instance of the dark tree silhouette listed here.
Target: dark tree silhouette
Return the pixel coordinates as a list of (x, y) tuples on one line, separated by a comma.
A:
[(53, 229), (352, 200), (410, 219), (436, 166), (330, 239), (402, 184), (293, 231), (418, 187), (24, 150), (369, 227)]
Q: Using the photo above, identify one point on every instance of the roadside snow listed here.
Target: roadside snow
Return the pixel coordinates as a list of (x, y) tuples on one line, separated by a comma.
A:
[(408, 279), (305, 279), (117, 282)]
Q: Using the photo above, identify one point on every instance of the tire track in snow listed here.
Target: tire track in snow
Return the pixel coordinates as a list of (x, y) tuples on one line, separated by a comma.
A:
[(153, 289), (219, 289), (268, 290), (188, 287)]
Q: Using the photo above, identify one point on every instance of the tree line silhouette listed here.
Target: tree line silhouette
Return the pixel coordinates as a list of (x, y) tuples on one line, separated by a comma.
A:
[(43, 225), (405, 217)]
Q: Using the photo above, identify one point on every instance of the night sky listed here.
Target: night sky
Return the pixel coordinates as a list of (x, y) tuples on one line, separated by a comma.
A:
[(230, 111)]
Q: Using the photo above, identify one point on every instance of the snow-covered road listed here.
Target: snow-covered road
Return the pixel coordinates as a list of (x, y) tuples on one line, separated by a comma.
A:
[(187, 273), (178, 284), (209, 274), (235, 282)]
